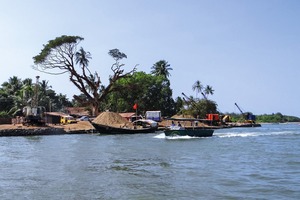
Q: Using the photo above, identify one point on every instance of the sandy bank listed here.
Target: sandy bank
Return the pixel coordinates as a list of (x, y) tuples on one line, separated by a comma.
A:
[(20, 130)]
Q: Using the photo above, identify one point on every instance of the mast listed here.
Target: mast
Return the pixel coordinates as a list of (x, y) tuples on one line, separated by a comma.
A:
[(35, 98)]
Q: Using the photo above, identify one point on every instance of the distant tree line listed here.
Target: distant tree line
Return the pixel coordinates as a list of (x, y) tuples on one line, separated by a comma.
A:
[(266, 118), (17, 93), (150, 91), (276, 118)]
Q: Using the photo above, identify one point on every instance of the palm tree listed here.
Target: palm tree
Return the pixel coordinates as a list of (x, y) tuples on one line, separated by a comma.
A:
[(209, 90), (14, 89), (12, 86), (161, 68), (198, 87), (27, 90), (43, 98), (44, 87), (82, 57)]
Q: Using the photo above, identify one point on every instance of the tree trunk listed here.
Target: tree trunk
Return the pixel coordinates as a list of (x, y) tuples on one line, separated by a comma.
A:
[(95, 109)]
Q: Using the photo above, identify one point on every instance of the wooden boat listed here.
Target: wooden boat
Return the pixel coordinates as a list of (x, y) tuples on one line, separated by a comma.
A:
[(180, 131), (104, 129), (193, 131)]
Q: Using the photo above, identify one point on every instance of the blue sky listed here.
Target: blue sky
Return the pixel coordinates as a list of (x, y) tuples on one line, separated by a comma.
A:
[(247, 50)]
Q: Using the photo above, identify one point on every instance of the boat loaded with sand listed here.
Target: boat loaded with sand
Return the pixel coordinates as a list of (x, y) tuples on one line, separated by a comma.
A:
[(180, 131), (193, 131), (113, 123), (105, 129)]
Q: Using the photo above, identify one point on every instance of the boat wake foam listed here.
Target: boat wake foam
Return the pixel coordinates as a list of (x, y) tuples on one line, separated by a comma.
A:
[(163, 136), (160, 136), (253, 134)]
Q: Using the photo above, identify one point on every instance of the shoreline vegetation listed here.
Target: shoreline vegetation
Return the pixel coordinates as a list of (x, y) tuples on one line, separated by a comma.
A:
[(105, 118), (82, 127), (113, 119), (269, 118), (21, 130), (146, 91)]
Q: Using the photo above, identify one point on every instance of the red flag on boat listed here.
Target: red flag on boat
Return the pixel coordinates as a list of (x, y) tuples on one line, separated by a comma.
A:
[(135, 106)]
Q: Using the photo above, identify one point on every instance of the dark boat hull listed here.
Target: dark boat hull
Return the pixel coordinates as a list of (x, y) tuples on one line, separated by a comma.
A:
[(190, 132), (103, 129)]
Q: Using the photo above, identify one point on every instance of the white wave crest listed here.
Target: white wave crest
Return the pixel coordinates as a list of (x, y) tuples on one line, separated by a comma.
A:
[(253, 134), (160, 136), (175, 137)]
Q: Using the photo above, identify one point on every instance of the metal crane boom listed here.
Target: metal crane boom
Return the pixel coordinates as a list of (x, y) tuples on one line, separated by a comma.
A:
[(189, 100), (204, 96), (239, 108)]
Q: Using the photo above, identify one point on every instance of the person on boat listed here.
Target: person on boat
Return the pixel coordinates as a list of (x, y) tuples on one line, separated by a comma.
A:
[(172, 123), (179, 124)]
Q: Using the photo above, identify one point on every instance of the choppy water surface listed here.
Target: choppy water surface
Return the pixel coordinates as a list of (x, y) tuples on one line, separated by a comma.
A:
[(239, 163)]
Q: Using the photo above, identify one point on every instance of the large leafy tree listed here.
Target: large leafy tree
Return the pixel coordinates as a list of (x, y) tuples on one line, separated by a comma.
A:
[(200, 107), (148, 91), (203, 107), (61, 56)]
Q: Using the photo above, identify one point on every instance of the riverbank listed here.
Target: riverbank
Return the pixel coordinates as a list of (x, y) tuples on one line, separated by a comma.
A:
[(20, 130), (81, 127)]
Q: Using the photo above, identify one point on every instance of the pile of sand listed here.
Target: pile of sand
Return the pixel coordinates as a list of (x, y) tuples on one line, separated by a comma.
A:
[(183, 122), (111, 119), (80, 125), (183, 116)]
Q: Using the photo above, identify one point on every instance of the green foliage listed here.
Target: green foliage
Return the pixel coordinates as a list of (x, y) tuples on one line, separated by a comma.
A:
[(200, 107), (82, 57), (234, 117), (276, 118), (266, 118), (116, 54), (4, 114), (60, 56), (52, 44), (179, 105), (161, 68), (6, 103), (148, 91), (15, 94)]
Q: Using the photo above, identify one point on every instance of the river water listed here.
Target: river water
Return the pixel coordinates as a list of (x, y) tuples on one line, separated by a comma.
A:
[(237, 163)]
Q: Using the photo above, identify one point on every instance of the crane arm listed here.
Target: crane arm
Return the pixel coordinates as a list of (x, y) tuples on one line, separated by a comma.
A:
[(239, 108), (186, 96), (204, 95)]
